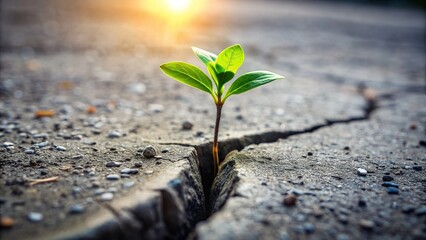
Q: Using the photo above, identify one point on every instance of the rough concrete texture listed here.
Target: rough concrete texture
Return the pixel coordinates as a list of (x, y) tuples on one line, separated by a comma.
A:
[(320, 169), (96, 65), (163, 198)]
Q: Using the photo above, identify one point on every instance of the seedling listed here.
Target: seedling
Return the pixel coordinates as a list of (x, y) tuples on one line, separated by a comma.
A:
[(222, 68)]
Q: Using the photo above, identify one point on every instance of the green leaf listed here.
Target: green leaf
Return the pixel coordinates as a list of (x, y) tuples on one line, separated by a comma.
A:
[(204, 56), (212, 71), (230, 59), (188, 74), (251, 80)]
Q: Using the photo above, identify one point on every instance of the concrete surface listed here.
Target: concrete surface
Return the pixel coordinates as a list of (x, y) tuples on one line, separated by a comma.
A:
[(354, 78)]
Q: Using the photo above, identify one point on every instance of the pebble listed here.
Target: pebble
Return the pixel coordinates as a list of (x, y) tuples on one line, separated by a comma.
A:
[(408, 209), (61, 148), (309, 228), (42, 144), (361, 172), (76, 209), (290, 200), (366, 224), (99, 191), (362, 203), (113, 164), (393, 190), (149, 152), (421, 211), (149, 172), (29, 151), (41, 135), (418, 168), (35, 216), (387, 178), (8, 144), (6, 222), (44, 172), (187, 125), (129, 171), (127, 185), (390, 184), (112, 177), (114, 134), (155, 108), (138, 164), (76, 191), (107, 196)]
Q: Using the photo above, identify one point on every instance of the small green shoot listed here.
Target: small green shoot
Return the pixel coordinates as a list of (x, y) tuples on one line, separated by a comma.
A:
[(221, 68)]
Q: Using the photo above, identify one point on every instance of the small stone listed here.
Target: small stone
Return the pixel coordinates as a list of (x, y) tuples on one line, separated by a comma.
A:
[(187, 125), (387, 178), (408, 209), (129, 171), (138, 164), (418, 168), (6, 222), (42, 144), (155, 108), (149, 152), (362, 203), (61, 148), (149, 172), (8, 144), (43, 172), (113, 164), (390, 184), (347, 148), (309, 228), (99, 191), (128, 185), (112, 190), (112, 177), (421, 211), (366, 224), (107, 196), (76, 191), (393, 190), (114, 134), (290, 200), (310, 153), (76, 209), (29, 151), (361, 172), (35, 216)]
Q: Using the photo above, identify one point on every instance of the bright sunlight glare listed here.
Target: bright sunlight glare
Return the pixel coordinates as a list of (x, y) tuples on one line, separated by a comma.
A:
[(178, 5)]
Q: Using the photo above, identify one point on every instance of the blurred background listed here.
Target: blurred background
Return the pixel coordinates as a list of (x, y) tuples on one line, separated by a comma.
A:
[(102, 51)]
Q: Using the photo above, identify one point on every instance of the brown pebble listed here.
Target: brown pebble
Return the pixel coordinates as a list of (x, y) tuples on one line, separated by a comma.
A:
[(6, 222), (290, 200), (44, 113), (366, 224)]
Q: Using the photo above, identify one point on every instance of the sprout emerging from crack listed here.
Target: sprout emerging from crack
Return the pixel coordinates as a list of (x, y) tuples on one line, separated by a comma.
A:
[(222, 68)]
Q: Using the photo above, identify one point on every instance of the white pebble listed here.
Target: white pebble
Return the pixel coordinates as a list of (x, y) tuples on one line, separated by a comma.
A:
[(362, 172)]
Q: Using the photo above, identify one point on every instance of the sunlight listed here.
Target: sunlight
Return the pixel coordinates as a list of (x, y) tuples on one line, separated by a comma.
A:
[(173, 8), (178, 5)]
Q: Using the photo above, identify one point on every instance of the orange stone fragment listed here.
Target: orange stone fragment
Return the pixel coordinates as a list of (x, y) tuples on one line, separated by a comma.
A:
[(44, 113), (91, 109), (6, 222), (66, 85)]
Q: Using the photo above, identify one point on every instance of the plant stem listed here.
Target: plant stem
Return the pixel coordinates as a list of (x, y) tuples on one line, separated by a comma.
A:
[(215, 151)]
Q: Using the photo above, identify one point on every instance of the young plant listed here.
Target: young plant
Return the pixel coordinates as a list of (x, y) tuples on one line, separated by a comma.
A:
[(222, 68)]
